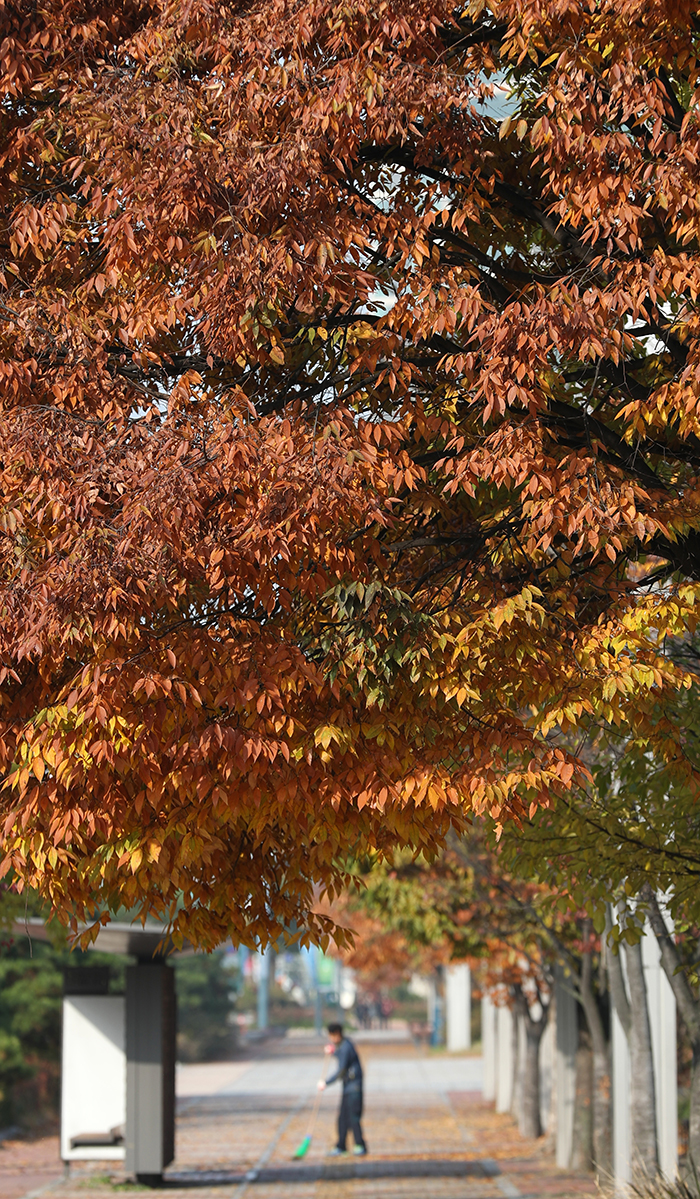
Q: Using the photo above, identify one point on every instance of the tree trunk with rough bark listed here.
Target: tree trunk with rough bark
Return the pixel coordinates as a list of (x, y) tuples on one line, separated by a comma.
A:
[(582, 1147), (633, 1012), (518, 1065), (531, 1124), (529, 1116), (694, 1121), (601, 1107)]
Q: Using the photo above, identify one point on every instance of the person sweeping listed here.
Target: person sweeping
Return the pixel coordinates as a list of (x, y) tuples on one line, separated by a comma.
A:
[(349, 1070)]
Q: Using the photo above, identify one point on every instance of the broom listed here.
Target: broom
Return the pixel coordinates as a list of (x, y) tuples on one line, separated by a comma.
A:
[(304, 1146)]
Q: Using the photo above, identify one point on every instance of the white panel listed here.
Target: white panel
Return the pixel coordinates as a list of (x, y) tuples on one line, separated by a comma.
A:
[(622, 1120), (668, 1081), (93, 1073), (432, 999), (488, 1046), (662, 1018), (458, 1003), (506, 1064), (547, 1075)]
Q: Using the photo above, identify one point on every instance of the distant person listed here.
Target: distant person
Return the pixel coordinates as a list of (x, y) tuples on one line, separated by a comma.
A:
[(348, 1069)]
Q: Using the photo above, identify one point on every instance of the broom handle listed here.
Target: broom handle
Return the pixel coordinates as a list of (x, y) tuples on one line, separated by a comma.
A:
[(317, 1103)]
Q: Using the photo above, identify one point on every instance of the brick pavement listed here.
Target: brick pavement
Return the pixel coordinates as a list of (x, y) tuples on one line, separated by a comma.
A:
[(429, 1133), (28, 1165)]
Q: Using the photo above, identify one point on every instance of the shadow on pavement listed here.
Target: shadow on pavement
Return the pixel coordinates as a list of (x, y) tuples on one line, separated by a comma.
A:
[(339, 1171)]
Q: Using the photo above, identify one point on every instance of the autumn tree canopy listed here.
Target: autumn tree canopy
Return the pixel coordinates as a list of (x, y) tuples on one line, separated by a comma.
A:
[(350, 372)]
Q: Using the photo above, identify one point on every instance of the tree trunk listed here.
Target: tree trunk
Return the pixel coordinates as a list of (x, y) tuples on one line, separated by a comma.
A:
[(633, 1013), (688, 1006), (518, 1063), (531, 1122), (582, 1148), (601, 1109), (645, 1158), (529, 1117), (694, 1122)]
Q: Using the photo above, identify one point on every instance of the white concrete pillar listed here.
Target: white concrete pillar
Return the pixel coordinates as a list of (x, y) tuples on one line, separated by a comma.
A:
[(489, 1046), (621, 1116), (431, 999), (662, 1018), (264, 981), (458, 1002), (505, 1026), (547, 1074), (566, 1037)]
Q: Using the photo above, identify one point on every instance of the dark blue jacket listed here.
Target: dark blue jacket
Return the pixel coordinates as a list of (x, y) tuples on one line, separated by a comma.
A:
[(348, 1066)]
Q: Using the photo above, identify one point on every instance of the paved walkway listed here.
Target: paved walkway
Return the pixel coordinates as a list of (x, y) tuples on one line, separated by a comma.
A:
[(27, 1166), (430, 1135)]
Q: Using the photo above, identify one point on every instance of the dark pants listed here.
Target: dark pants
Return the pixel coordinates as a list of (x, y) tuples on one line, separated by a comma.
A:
[(349, 1117)]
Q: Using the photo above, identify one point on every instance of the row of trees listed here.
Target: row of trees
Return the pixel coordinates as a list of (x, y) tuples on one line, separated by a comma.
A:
[(350, 374), (570, 889)]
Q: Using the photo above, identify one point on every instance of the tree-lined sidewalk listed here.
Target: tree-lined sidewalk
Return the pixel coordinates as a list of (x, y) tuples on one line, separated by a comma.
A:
[(427, 1127)]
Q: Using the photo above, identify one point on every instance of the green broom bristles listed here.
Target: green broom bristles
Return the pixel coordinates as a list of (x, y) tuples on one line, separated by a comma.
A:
[(303, 1147)]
